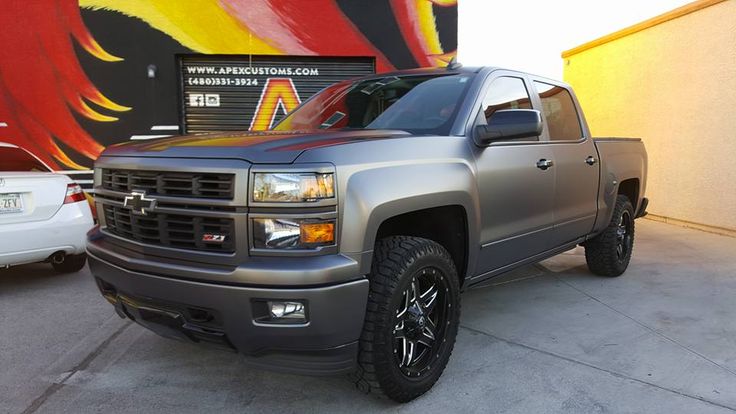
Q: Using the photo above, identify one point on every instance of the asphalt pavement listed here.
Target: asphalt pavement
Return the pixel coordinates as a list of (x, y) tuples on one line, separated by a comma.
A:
[(547, 338)]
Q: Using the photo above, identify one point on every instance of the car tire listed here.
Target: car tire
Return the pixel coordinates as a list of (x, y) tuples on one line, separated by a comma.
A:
[(609, 253), (71, 263), (411, 319)]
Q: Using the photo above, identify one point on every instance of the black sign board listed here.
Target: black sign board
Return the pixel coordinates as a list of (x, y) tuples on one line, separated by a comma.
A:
[(235, 93)]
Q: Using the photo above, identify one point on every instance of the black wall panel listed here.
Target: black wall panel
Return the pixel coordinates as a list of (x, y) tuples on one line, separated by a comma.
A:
[(223, 93)]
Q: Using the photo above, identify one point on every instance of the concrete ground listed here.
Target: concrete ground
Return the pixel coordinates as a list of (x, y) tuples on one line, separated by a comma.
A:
[(549, 338)]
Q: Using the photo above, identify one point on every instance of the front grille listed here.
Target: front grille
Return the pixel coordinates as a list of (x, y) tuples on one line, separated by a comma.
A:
[(172, 184), (171, 230)]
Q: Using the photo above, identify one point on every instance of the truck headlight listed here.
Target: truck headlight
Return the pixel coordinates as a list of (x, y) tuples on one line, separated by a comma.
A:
[(293, 233), (292, 187)]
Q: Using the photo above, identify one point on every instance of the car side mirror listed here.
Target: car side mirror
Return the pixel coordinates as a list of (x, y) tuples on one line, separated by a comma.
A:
[(509, 124)]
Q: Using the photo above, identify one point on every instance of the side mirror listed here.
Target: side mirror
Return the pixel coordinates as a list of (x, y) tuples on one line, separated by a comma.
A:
[(509, 124)]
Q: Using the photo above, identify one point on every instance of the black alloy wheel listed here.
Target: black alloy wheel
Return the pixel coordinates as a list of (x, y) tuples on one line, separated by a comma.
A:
[(624, 236), (411, 319), (421, 322), (609, 252)]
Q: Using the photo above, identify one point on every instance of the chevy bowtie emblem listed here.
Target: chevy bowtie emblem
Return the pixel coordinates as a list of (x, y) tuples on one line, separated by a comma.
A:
[(138, 203)]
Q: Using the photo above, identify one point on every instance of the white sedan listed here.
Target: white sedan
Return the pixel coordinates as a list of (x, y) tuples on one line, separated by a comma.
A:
[(44, 217)]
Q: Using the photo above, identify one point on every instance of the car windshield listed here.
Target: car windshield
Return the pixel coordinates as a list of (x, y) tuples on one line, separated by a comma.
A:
[(16, 159), (418, 104)]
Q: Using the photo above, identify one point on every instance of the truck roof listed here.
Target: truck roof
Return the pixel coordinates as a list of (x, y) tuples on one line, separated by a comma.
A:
[(456, 70)]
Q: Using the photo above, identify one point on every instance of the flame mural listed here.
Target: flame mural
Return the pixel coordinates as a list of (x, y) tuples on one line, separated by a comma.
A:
[(43, 84), (67, 86)]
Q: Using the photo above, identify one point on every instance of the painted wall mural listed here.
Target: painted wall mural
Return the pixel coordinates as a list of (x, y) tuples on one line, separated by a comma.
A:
[(78, 75)]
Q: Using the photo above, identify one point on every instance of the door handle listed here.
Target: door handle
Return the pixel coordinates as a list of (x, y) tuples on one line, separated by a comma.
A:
[(590, 160), (543, 164)]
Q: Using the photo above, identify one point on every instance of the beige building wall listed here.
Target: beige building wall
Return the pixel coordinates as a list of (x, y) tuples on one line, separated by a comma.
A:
[(672, 82)]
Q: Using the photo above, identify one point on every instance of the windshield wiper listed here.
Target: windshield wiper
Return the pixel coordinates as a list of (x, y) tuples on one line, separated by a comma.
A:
[(332, 120), (368, 90)]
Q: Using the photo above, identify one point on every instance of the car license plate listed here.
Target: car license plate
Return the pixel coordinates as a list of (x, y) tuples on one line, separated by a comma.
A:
[(11, 203)]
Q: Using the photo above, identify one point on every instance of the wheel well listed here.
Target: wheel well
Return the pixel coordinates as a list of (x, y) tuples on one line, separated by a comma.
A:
[(630, 188), (445, 225)]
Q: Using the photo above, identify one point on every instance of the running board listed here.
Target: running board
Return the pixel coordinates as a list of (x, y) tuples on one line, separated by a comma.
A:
[(475, 280)]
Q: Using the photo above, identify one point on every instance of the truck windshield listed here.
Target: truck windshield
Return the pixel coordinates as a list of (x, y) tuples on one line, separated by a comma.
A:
[(418, 104)]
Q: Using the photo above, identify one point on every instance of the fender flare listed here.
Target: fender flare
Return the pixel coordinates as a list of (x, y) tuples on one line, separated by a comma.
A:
[(413, 187)]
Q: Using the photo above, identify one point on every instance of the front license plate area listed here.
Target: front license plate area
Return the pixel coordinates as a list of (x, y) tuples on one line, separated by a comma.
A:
[(165, 323), (11, 203), (169, 323)]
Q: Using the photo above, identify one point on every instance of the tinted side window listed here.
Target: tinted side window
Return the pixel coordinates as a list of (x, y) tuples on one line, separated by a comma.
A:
[(506, 93), (16, 159), (559, 111)]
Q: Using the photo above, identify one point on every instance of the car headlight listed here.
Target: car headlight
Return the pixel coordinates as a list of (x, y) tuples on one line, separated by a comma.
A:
[(293, 233), (292, 187)]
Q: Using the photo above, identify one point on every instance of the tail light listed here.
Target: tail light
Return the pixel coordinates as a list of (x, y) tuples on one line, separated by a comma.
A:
[(74, 194)]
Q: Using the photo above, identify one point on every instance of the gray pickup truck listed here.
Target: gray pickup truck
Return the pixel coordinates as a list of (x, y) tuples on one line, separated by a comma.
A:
[(340, 240)]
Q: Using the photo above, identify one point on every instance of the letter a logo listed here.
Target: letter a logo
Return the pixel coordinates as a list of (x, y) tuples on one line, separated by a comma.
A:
[(278, 92)]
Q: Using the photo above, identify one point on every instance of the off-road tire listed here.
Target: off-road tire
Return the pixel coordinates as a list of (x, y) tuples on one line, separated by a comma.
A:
[(397, 261), (601, 252), (72, 263)]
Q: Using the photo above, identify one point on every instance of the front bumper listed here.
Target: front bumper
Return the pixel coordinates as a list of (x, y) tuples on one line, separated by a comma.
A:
[(227, 315)]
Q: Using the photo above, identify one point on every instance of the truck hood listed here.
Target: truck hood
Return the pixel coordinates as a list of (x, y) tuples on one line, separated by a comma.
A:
[(270, 147)]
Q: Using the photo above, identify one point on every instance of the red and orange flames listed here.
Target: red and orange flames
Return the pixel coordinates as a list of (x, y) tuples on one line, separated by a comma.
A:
[(42, 84), (44, 90)]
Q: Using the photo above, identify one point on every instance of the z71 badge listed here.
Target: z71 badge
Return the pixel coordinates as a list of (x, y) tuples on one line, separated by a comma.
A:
[(213, 238)]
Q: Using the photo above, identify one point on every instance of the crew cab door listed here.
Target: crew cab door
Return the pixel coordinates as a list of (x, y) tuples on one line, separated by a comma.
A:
[(516, 196), (576, 163)]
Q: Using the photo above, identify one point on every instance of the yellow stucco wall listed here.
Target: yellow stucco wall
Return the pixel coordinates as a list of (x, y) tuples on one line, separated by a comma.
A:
[(674, 85)]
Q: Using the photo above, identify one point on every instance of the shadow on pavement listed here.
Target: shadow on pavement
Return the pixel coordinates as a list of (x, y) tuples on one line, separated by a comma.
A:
[(28, 275)]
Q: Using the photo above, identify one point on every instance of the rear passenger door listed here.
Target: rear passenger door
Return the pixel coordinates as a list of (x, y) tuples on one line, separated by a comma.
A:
[(576, 163)]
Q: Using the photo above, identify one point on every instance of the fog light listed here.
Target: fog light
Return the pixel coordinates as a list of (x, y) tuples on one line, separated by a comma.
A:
[(286, 310)]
